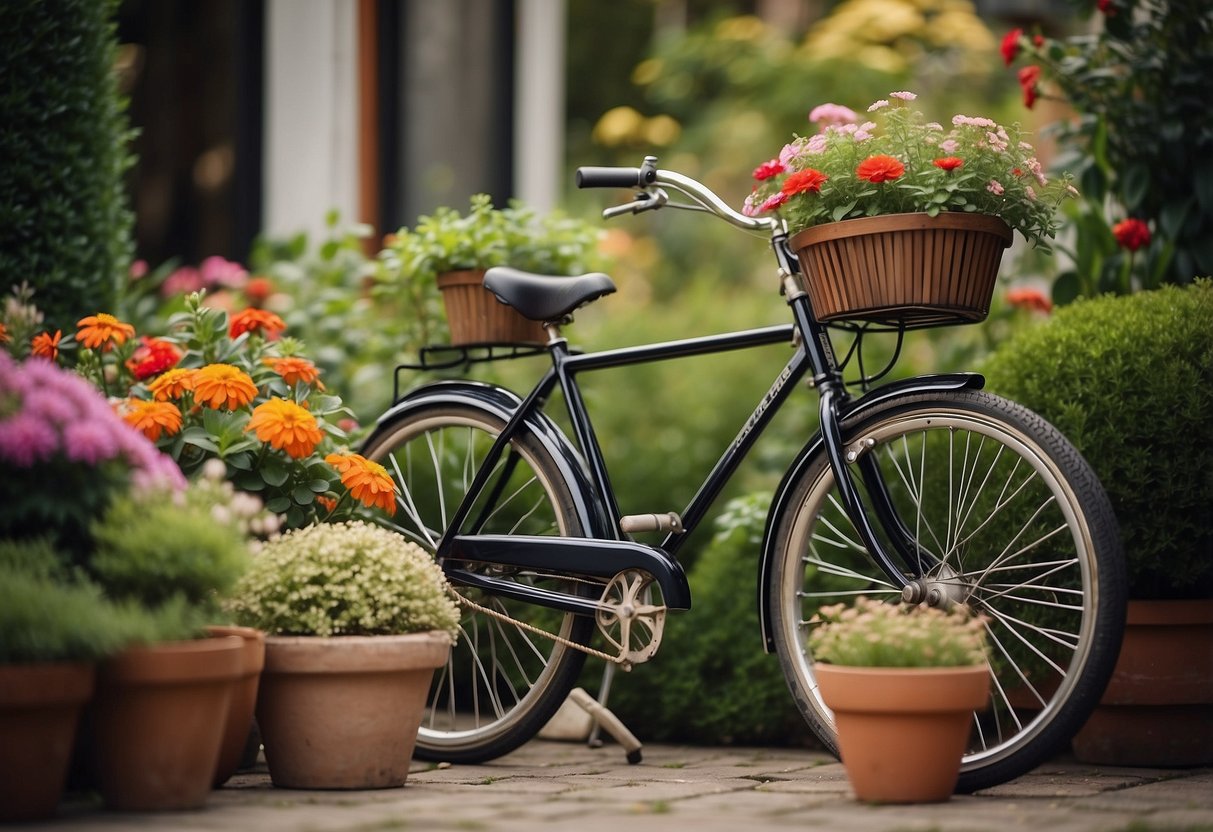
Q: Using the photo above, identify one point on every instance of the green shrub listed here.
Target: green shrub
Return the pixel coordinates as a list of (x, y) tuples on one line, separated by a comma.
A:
[(1129, 380), (711, 682), (64, 222), (42, 620)]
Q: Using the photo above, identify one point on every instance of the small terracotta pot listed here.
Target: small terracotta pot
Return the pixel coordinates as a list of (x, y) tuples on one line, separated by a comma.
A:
[(158, 720), (902, 732), (244, 699), (40, 708), (343, 712)]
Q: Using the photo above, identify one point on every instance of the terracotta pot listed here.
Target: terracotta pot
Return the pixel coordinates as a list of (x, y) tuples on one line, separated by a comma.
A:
[(910, 269), (40, 708), (343, 712), (244, 700), (476, 317), (903, 731), (1158, 707), (158, 719)]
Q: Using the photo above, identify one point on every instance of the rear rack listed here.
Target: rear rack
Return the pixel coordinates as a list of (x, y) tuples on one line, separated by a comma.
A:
[(446, 356)]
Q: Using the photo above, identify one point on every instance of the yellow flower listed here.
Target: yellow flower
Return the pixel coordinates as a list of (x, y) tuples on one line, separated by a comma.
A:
[(367, 481), (286, 426), (152, 418), (103, 330), (222, 386), (172, 384)]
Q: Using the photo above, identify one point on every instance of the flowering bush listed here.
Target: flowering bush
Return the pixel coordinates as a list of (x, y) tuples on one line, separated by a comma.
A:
[(1139, 140), (350, 578), (877, 634), (899, 163)]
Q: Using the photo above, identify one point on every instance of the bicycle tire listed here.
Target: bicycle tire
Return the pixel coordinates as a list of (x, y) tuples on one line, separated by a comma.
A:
[(501, 684), (1031, 541)]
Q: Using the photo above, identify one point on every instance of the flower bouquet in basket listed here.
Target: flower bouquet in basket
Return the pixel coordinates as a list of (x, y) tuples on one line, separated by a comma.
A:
[(949, 196)]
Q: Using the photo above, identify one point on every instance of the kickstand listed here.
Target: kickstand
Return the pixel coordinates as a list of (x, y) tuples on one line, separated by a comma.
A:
[(604, 719)]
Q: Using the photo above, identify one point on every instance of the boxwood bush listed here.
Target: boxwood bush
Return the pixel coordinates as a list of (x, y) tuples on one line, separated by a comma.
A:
[(64, 221), (1130, 381)]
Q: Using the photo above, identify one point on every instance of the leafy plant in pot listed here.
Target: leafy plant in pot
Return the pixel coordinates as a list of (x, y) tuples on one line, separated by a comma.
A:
[(903, 683), (1130, 382), (447, 251), (358, 619)]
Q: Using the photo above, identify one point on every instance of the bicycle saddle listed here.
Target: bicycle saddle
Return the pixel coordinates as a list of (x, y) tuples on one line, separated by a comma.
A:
[(543, 297)]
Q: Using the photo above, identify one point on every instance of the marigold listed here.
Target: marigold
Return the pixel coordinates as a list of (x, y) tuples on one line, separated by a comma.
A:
[(152, 418), (880, 168), (367, 481), (172, 385), (103, 330), (256, 320), (804, 182), (153, 357), (222, 386), (294, 370), (286, 426), (948, 162), (46, 345)]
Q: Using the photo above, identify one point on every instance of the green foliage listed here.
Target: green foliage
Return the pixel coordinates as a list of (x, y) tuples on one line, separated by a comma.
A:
[(877, 634), (349, 579), (718, 642), (1129, 380), (64, 222)]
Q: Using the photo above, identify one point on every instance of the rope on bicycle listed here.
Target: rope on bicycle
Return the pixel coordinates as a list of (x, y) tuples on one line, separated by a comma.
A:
[(584, 648)]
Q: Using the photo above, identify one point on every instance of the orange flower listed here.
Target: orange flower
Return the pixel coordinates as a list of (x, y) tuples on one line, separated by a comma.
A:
[(103, 330), (880, 168), (172, 385), (46, 345), (804, 181), (294, 369), (1032, 299), (4, 336), (368, 482), (326, 502), (256, 320), (948, 163), (286, 426), (152, 418), (222, 386)]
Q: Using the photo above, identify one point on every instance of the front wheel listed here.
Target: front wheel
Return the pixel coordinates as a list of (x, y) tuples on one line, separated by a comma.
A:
[(502, 681), (1001, 513)]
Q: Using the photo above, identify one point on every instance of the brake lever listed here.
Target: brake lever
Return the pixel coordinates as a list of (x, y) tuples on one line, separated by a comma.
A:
[(647, 200)]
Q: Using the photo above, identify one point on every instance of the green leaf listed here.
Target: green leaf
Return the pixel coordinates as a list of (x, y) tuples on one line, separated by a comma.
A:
[(278, 505), (242, 461), (1203, 182), (1135, 185), (319, 486), (303, 495), (273, 471), (249, 481), (1066, 288)]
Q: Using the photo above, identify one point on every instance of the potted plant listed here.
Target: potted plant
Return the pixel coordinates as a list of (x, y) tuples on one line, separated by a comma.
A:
[(358, 619), (903, 683), (1130, 381), (898, 219), (449, 252)]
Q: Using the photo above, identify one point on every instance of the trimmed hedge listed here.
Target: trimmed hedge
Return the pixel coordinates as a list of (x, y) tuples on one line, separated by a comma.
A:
[(65, 225)]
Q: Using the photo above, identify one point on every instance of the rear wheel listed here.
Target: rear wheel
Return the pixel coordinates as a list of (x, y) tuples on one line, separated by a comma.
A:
[(502, 682), (1007, 518)]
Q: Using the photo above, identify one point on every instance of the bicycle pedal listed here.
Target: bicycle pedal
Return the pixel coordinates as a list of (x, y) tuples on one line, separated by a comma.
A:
[(669, 522)]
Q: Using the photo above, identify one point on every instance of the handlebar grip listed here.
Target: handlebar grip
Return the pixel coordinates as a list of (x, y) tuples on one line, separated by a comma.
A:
[(595, 177)]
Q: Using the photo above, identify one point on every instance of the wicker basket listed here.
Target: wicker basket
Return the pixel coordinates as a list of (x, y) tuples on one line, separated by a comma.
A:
[(903, 269), (477, 317)]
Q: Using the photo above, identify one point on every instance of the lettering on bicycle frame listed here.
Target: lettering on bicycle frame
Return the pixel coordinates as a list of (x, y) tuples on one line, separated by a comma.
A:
[(763, 405)]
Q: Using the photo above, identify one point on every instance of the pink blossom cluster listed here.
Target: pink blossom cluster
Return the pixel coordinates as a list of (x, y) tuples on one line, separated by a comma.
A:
[(49, 414), (212, 273)]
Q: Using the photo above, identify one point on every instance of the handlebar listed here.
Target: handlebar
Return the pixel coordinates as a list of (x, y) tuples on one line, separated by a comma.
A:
[(650, 196)]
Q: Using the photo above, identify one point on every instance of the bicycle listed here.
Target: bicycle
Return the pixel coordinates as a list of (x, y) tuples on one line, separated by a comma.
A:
[(926, 489)]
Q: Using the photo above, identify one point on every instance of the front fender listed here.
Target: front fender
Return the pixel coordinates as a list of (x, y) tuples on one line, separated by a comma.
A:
[(782, 499), (503, 403)]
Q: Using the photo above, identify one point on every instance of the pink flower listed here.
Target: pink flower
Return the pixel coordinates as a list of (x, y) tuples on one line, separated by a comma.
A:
[(949, 145), (181, 282), (90, 442), (825, 114), (216, 271), (903, 95), (995, 187), (878, 105), (816, 143), (768, 169), (773, 202), (970, 121), (789, 152), (26, 439)]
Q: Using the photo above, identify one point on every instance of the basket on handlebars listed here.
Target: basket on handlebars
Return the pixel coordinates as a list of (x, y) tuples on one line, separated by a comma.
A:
[(909, 270), (476, 317)]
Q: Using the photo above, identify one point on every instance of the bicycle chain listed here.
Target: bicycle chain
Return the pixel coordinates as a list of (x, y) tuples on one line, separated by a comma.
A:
[(584, 648)]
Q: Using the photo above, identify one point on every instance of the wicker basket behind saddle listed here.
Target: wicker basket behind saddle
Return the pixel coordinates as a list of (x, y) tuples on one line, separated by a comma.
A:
[(477, 317), (903, 269)]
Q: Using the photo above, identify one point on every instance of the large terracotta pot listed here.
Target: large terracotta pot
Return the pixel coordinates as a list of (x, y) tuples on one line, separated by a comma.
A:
[(1158, 707), (158, 719), (40, 708), (239, 722), (903, 731), (343, 712)]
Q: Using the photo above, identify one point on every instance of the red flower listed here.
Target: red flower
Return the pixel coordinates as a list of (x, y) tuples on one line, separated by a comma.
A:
[(804, 182), (152, 358), (258, 289), (1029, 299), (1010, 45), (1029, 76), (1108, 7), (1038, 41), (880, 169), (948, 163), (768, 169), (1131, 234)]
